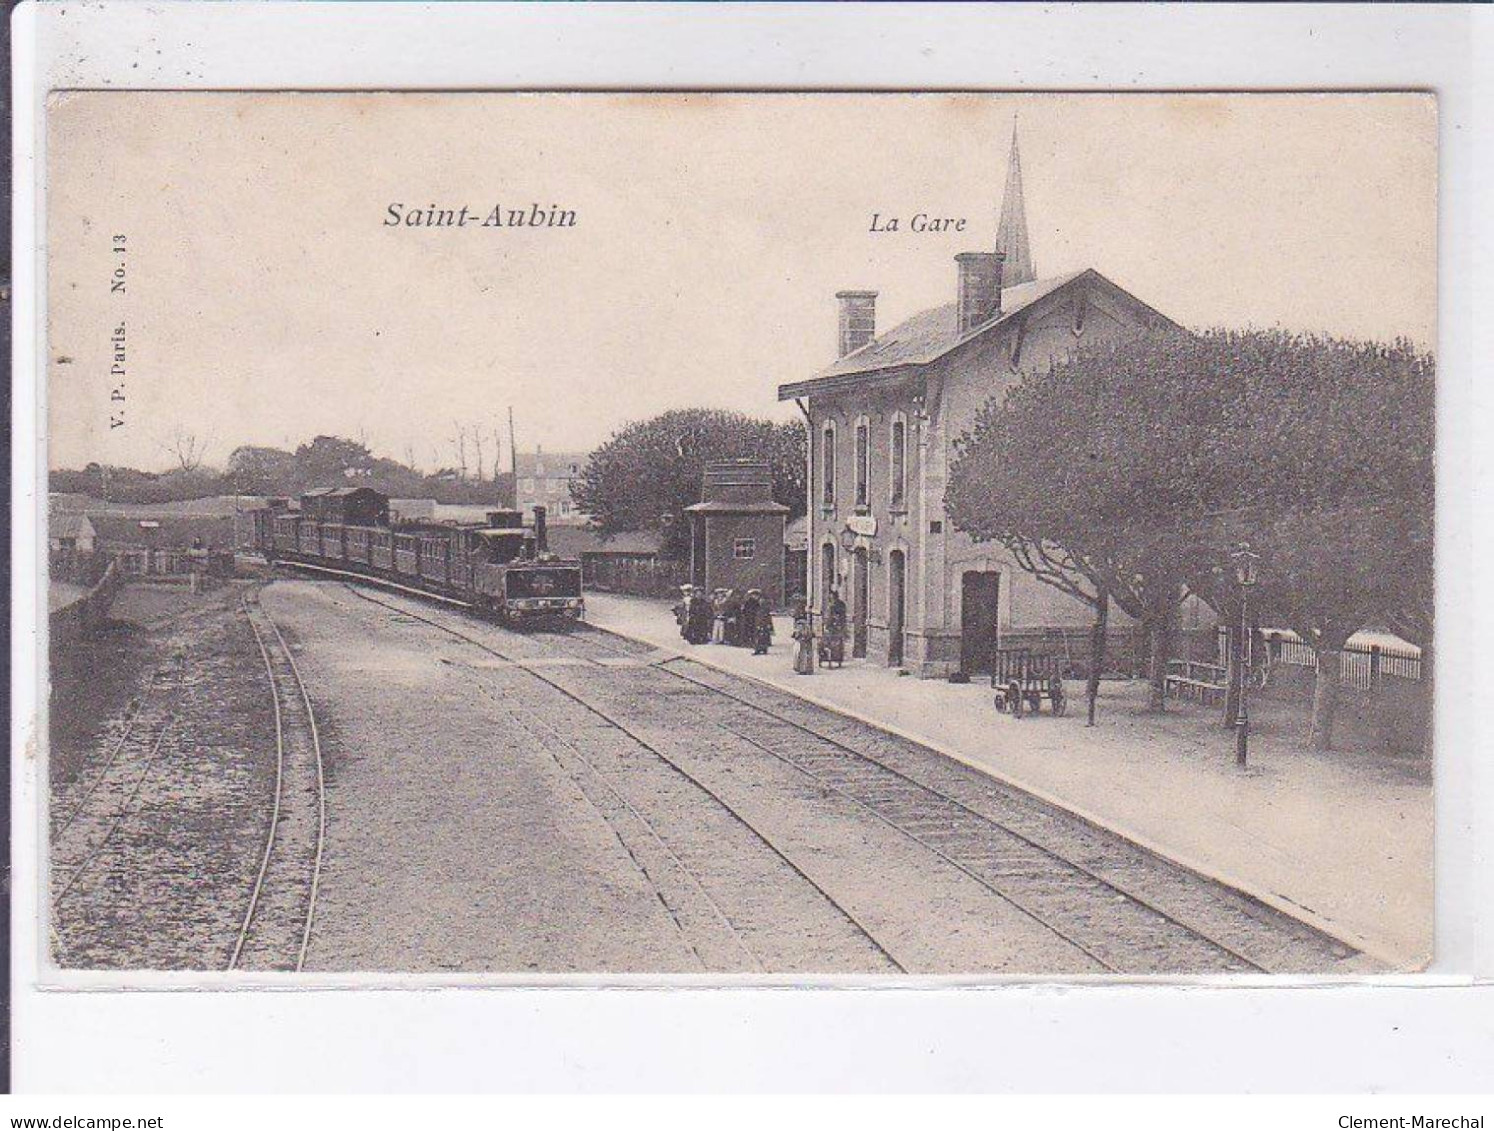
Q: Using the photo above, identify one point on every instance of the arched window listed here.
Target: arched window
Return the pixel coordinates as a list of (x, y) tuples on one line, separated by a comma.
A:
[(863, 462), (827, 462), (897, 462)]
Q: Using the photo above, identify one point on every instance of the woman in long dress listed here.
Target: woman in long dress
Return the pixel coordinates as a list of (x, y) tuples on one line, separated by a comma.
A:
[(803, 639)]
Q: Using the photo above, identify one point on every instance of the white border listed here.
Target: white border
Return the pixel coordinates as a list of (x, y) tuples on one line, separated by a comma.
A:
[(1351, 1037)]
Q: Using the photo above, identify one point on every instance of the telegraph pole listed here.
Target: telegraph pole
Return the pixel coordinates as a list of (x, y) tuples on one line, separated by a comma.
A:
[(513, 454)]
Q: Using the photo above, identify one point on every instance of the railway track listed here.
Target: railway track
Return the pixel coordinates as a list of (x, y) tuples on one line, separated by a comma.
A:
[(1120, 933), (1013, 838), (707, 930), (276, 930), (1130, 911), (667, 894), (1262, 938), (92, 821), (1153, 917)]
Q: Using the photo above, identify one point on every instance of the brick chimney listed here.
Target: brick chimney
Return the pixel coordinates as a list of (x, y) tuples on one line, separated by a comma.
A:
[(858, 319), (980, 287)]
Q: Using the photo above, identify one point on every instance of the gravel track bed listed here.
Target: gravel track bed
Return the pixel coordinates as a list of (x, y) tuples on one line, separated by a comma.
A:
[(780, 920), (455, 843), (168, 832), (563, 802)]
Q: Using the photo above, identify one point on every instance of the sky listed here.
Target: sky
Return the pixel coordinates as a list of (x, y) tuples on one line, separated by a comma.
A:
[(266, 299)]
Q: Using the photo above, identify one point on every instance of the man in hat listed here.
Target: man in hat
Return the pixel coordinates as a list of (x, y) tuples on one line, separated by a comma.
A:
[(762, 622), (699, 617)]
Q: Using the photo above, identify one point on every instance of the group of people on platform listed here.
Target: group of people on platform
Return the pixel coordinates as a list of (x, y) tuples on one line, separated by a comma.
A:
[(725, 617)]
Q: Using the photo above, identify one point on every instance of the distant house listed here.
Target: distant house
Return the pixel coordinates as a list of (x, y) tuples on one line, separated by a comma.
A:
[(72, 533), (118, 533), (544, 479)]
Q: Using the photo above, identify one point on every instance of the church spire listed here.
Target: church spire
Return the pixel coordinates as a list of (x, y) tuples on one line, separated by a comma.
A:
[(1011, 233)]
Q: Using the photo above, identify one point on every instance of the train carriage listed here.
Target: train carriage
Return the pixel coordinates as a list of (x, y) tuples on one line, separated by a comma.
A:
[(309, 539), (356, 544), (381, 550), (459, 569), (285, 540), (407, 554), (435, 548), (332, 541)]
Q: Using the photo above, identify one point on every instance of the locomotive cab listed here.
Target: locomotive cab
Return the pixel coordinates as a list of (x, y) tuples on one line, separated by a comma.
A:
[(499, 546)]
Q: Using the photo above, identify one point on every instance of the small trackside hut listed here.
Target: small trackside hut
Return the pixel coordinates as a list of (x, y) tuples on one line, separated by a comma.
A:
[(736, 531)]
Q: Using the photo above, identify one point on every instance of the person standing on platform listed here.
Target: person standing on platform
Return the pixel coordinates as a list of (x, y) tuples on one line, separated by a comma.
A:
[(762, 636), (803, 638), (835, 631), (699, 619), (744, 620), (718, 615)]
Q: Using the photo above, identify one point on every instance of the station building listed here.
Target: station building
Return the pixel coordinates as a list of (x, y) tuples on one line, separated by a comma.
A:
[(884, 419)]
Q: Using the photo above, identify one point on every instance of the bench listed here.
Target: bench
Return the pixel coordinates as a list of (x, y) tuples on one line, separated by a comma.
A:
[(1203, 683)]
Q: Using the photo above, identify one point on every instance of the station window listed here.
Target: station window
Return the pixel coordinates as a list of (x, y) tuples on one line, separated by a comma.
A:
[(828, 462), (744, 549), (898, 462), (863, 461)]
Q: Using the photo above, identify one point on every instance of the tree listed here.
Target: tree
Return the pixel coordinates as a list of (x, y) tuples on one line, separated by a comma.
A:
[(328, 461), (1137, 465), (477, 443), (187, 448), (261, 470), (653, 468), (1335, 488)]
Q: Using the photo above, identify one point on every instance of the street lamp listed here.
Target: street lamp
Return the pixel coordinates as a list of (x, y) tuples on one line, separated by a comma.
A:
[(1245, 562)]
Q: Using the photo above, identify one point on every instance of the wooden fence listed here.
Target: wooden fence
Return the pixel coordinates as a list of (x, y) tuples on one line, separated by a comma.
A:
[(639, 576), (1362, 667), (176, 563)]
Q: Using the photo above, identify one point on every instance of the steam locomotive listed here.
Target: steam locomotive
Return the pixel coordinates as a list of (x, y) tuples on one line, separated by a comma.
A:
[(500, 567)]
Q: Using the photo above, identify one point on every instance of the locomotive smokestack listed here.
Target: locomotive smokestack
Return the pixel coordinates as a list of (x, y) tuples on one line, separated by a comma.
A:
[(541, 539)]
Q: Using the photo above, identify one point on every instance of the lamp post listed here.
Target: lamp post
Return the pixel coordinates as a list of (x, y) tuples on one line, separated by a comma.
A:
[(1245, 562)]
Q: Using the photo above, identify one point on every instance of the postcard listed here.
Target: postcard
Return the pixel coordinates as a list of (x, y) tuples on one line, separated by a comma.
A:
[(720, 536)]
